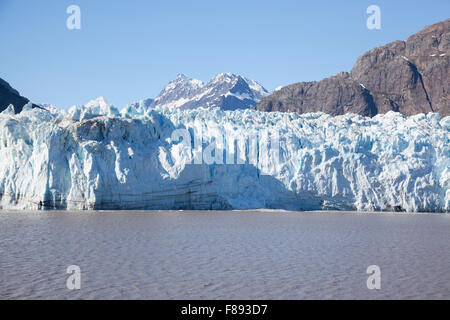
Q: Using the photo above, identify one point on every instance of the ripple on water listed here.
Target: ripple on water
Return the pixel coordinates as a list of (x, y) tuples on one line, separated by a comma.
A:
[(223, 255)]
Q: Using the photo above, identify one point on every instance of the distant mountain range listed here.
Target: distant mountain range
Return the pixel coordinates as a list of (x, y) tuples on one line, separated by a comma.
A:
[(410, 77), (225, 91)]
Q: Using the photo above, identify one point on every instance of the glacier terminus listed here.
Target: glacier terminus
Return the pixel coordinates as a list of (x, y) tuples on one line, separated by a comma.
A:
[(95, 157)]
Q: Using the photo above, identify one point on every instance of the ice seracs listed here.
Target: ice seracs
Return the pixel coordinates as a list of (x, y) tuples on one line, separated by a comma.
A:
[(92, 109), (10, 110), (136, 108), (135, 161)]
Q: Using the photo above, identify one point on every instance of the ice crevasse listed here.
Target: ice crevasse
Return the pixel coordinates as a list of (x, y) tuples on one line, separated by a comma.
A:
[(81, 160)]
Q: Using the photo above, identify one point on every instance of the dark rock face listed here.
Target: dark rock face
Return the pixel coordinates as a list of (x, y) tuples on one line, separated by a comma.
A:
[(335, 95), (8, 96), (409, 76)]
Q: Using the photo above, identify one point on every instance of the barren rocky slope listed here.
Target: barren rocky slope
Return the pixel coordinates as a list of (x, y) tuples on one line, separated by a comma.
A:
[(409, 76)]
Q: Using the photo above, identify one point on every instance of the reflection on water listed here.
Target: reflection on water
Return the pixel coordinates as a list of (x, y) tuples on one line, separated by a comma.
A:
[(223, 255)]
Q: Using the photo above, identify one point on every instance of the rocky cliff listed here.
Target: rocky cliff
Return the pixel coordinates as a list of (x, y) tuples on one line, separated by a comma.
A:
[(9, 95), (409, 76)]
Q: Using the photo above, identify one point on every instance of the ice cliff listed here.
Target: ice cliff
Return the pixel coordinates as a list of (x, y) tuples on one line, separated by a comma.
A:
[(185, 159)]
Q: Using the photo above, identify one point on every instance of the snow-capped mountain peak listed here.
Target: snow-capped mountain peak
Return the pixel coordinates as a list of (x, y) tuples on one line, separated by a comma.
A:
[(224, 77), (226, 91), (177, 90), (180, 82)]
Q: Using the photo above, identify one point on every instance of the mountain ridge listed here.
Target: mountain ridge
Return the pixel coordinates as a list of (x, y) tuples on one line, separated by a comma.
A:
[(9, 95), (409, 76), (226, 91)]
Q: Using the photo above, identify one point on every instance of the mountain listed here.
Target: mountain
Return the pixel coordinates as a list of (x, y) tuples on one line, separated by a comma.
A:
[(225, 91), (409, 76), (8, 96), (178, 92)]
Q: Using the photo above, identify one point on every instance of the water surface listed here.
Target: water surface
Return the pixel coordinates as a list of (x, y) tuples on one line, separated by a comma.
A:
[(223, 255)]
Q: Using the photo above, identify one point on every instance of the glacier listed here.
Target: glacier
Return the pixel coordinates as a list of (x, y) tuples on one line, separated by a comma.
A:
[(94, 157)]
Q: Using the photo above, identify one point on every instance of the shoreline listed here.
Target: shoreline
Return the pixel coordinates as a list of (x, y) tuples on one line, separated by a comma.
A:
[(256, 211)]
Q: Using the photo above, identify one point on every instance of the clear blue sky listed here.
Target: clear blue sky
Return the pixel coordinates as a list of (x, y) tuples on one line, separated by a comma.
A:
[(129, 50)]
